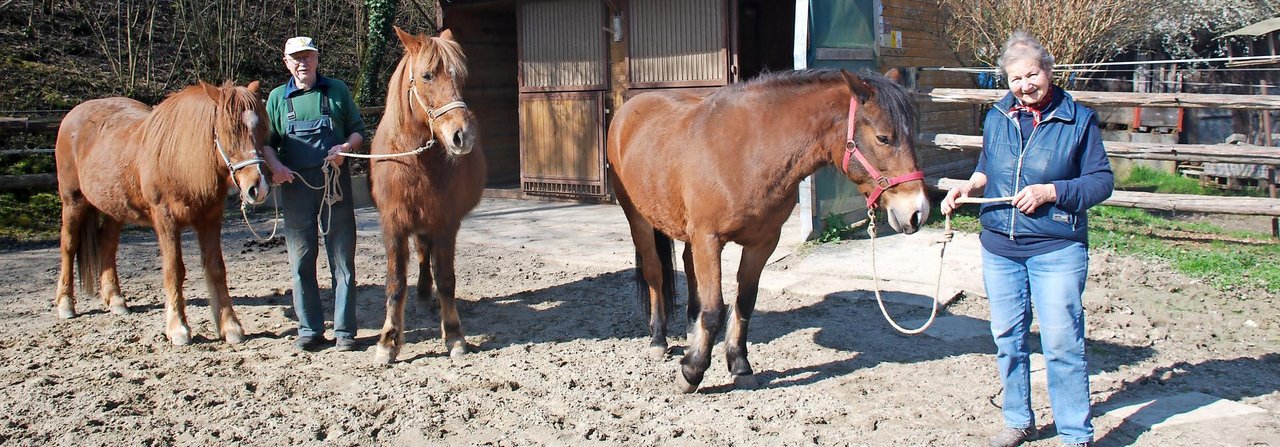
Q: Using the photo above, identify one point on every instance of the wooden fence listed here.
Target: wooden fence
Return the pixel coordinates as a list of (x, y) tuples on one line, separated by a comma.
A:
[(1216, 153)]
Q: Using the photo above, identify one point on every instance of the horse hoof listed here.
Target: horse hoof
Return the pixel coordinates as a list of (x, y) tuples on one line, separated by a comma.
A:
[(120, 309), (66, 312), (181, 338), (234, 336), (384, 356), (657, 352), (683, 385), (458, 350), (746, 382)]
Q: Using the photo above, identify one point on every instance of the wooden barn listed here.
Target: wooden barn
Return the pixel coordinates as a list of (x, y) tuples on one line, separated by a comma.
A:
[(547, 74)]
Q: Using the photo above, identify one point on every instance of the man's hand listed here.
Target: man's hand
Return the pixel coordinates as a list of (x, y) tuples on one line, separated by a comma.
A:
[(1033, 196), (335, 155), (280, 173)]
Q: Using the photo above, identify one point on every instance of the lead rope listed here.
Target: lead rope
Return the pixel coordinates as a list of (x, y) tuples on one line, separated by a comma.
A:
[(947, 235)]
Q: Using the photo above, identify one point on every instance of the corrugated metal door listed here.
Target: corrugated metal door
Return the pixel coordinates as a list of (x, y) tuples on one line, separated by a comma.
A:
[(563, 76), (678, 43)]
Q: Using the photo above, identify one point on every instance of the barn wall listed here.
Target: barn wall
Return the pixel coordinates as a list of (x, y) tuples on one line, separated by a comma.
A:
[(923, 46), (487, 33)]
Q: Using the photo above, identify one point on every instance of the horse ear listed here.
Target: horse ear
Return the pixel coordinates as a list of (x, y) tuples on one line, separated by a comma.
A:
[(410, 41), (212, 91), (904, 76), (895, 75), (253, 87), (859, 87), (447, 35)]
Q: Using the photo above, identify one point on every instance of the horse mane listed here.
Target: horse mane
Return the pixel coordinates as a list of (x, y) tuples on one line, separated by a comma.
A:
[(894, 101), (178, 134), (439, 54)]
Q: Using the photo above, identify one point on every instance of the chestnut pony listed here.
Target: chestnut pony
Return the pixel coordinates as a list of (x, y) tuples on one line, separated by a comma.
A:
[(424, 194), (123, 162), (726, 168)]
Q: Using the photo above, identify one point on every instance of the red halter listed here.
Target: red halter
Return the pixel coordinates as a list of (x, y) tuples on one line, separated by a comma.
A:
[(850, 148)]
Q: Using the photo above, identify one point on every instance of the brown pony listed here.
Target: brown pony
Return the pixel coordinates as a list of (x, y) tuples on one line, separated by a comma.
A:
[(726, 168), (167, 168), (425, 193)]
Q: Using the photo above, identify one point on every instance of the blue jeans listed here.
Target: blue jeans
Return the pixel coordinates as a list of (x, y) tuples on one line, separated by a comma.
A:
[(301, 206), (1051, 284)]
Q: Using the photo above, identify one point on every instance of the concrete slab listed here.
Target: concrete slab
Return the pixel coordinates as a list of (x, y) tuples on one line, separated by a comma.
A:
[(1178, 409)]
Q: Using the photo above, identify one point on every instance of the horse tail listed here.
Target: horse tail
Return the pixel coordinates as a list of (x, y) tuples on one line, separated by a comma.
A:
[(666, 257), (87, 256)]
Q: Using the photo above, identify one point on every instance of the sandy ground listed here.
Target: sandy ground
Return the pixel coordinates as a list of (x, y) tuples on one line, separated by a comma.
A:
[(548, 305)]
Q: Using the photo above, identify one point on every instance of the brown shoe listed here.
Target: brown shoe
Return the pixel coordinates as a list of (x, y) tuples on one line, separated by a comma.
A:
[(1012, 437)]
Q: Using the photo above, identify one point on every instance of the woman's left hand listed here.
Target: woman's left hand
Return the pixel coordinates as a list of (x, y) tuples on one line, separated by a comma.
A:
[(1033, 196)]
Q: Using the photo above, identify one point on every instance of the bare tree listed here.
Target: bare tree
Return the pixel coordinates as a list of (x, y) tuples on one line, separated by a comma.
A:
[(1074, 31)]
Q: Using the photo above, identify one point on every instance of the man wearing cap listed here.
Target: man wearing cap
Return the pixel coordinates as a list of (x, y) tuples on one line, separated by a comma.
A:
[(313, 121)]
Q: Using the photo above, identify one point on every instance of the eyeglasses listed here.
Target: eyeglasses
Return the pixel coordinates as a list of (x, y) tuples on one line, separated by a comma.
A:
[(298, 60)]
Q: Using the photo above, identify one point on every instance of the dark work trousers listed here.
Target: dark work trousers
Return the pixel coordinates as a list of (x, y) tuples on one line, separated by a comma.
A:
[(304, 216)]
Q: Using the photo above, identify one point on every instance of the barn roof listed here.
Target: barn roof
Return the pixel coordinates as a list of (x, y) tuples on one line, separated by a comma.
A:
[(1257, 29)]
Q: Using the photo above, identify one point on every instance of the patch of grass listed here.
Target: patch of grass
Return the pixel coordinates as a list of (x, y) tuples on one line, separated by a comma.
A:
[(964, 219), (30, 217), (1225, 259), (835, 228), (1147, 179)]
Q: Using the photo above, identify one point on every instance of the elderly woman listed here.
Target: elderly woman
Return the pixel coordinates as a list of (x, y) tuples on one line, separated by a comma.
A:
[(1045, 151)]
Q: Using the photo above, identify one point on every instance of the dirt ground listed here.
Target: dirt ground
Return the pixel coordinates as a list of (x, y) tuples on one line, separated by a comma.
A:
[(559, 356)]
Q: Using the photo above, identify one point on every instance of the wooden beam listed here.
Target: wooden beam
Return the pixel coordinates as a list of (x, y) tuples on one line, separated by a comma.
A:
[(1113, 99), (11, 125), (25, 152), (1190, 203), (1211, 153), (39, 181)]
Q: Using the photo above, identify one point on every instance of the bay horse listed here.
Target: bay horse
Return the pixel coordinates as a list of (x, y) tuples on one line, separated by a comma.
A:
[(425, 193), (726, 168), (119, 161)]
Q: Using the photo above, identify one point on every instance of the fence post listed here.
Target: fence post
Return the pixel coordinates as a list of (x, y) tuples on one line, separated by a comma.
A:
[(1271, 170)]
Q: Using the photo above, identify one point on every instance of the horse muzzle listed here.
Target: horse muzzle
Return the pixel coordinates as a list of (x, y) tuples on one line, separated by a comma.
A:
[(459, 142), (908, 211), (253, 185)]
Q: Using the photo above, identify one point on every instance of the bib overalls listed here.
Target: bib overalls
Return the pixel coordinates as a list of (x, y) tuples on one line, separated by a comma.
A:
[(303, 149)]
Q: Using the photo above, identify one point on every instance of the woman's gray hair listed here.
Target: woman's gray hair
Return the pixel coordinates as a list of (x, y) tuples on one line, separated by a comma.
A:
[(1021, 46)]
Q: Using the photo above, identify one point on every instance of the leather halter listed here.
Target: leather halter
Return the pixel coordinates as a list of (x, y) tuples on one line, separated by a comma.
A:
[(851, 149), (433, 114), (233, 167)]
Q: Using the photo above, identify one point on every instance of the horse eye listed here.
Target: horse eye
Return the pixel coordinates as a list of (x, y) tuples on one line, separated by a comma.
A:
[(883, 139), (426, 76)]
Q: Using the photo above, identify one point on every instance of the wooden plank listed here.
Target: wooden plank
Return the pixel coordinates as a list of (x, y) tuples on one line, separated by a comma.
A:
[(39, 125), (25, 151), (25, 181), (1190, 203), (1111, 99), (1215, 153)]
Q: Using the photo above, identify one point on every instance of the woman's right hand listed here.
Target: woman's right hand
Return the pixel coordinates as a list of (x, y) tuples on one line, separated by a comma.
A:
[(949, 203)]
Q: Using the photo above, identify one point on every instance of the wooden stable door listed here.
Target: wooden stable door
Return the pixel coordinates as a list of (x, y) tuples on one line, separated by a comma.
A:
[(679, 44), (563, 76)]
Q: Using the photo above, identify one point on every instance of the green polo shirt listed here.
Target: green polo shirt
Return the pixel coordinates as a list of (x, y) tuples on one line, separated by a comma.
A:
[(306, 106)]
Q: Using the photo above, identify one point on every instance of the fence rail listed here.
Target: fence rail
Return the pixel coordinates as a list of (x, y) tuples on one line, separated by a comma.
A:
[(1113, 99), (1250, 206), (1213, 153)]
